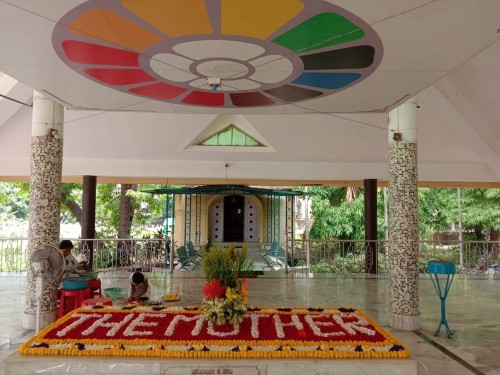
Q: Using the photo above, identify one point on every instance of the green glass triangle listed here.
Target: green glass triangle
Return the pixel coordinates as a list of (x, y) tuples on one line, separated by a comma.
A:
[(249, 141), (225, 138), (231, 136), (238, 138), (211, 141)]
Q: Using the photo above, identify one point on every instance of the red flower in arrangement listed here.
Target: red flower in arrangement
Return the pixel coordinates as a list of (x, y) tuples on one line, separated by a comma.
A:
[(214, 289)]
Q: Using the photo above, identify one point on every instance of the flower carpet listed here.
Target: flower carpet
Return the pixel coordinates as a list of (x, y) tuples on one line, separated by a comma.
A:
[(182, 332)]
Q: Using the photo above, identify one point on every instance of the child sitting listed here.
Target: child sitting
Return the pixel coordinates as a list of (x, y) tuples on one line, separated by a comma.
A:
[(82, 263), (139, 287)]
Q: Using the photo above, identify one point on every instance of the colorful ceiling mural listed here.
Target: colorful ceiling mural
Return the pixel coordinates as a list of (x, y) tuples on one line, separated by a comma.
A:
[(265, 52)]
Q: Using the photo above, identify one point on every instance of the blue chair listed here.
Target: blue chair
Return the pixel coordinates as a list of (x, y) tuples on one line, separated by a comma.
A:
[(184, 258), (271, 250), (192, 252), (275, 256)]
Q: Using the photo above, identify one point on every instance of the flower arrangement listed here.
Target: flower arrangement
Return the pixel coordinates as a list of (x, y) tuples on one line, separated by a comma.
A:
[(225, 294), (179, 332)]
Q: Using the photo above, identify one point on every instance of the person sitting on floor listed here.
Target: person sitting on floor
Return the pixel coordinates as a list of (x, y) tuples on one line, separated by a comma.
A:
[(139, 287), (83, 264)]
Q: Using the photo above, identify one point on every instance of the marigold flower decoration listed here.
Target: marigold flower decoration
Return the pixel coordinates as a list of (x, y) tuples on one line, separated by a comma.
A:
[(225, 294), (244, 290)]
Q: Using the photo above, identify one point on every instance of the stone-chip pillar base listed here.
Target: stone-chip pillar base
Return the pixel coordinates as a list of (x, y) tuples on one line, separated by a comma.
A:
[(46, 318), (404, 322)]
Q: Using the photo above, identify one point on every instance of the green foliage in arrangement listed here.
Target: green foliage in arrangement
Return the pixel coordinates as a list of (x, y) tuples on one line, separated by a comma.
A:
[(226, 265)]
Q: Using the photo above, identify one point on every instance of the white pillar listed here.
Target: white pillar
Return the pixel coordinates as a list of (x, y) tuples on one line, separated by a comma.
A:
[(45, 201), (404, 308)]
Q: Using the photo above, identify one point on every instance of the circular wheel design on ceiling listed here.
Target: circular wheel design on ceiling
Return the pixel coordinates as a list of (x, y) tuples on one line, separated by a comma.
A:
[(266, 52)]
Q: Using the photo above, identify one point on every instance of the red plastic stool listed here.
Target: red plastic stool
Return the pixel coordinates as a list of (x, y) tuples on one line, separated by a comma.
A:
[(71, 299), (97, 301), (95, 287)]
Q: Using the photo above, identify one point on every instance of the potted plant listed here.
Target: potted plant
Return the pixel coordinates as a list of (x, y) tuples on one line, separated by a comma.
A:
[(225, 294)]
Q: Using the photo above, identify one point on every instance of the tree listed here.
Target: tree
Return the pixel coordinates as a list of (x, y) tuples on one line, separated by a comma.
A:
[(71, 199), (340, 214), (123, 210), (333, 216), (14, 200), (481, 212), (437, 209), (126, 212), (147, 207), (136, 208)]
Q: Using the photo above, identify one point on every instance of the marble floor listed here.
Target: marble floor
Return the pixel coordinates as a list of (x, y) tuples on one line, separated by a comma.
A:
[(473, 311)]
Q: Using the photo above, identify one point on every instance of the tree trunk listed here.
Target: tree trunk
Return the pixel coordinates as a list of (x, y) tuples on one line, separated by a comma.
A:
[(124, 248), (493, 247), (493, 234), (351, 193), (73, 207), (126, 211)]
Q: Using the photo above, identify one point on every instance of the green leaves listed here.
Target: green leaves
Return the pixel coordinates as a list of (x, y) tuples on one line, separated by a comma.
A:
[(334, 217), (226, 264), (14, 199)]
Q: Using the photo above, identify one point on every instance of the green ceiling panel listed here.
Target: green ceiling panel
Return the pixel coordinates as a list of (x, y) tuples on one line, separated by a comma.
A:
[(320, 31)]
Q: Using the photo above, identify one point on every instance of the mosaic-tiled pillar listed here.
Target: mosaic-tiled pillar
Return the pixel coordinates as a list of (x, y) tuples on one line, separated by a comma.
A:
[(45, 201), (403, 218)]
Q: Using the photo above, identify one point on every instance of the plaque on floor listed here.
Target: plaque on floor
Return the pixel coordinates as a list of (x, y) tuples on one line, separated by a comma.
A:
[(212, 370)]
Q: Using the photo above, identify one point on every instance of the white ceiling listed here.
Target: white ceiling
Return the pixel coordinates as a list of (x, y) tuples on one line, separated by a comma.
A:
[(444, 52)]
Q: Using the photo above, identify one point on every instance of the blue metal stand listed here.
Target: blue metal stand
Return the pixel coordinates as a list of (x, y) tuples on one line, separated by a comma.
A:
[(442, 268)]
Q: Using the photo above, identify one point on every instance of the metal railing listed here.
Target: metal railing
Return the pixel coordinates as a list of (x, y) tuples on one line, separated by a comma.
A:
[(125, 253), (13, 252), (107, 253), (328, 256), (354, 256), (336, 256)]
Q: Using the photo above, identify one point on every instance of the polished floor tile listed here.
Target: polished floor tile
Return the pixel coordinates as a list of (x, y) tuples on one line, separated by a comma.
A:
[(473, 311)]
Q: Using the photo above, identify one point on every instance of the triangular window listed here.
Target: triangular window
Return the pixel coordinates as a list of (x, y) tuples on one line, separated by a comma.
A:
[(231, 136)]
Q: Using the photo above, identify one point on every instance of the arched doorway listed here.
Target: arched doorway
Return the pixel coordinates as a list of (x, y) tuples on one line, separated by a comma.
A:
[(234, 218), (234, 214), (266, 213)]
